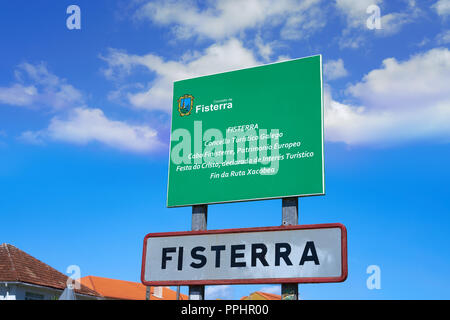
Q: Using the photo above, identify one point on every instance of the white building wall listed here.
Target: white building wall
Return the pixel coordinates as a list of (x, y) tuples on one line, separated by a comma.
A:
[(18, 291), (7, 291), (46, 293)]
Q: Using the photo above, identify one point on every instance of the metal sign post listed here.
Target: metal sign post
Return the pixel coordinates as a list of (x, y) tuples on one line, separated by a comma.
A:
[(199, 222), (289, 291), (147, 293)]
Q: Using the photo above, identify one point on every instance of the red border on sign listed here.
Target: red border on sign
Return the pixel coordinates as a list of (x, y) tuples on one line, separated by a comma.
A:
[(341, 278)]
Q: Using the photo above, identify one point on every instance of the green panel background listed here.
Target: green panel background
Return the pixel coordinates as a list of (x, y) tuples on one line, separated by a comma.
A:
[(285, 96)]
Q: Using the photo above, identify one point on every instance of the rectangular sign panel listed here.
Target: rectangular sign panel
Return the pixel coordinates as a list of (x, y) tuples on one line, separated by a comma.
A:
[(249, 134), (291, 254)]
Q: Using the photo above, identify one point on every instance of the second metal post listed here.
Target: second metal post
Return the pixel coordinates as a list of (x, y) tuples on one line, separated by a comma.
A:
[(199, 222), (289, 291)]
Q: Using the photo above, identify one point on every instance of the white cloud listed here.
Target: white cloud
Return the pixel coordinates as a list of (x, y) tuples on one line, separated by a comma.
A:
[(37, 87), (304, 19), (401, 101), (442, 7), (265, 50), (229, 18), (356, 16), (219, 57), (83, 126), (351, 40), (219, 292), (420, 80), (443, 37), (392, 23), (355, 11), (334, 69), (18, 95), (32, 137), (424, 42)]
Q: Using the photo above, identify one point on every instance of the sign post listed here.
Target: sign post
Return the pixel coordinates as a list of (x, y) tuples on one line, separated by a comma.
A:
[(199, 222), (289, 291)]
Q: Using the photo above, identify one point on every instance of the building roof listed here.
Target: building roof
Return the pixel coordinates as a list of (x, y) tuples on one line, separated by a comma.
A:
[(18, 266), (126, 290), (259, 295)]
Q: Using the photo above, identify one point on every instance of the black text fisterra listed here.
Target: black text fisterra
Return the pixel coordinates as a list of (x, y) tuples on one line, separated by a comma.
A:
[(197, 256)]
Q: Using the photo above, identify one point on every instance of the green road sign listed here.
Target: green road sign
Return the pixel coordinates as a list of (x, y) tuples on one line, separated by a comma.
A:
[(249, 134)]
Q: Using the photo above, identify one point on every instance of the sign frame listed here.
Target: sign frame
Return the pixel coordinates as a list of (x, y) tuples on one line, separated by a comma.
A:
[(341, 278)]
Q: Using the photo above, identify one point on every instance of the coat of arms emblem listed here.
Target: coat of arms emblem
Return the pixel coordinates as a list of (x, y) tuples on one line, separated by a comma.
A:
[(185, 104)]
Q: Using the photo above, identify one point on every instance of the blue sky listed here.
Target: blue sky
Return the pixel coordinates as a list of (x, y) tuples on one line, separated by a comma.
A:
[(85, 121)]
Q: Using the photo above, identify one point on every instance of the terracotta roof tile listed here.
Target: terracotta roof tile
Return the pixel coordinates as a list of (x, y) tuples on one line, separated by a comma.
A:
[(17, 265), (269, 296), (259, 295), (126, 290)]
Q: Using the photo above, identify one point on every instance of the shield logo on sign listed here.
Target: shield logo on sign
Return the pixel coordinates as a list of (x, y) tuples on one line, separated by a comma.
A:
[(185, 105)]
